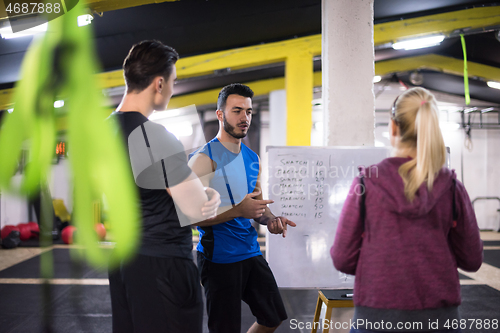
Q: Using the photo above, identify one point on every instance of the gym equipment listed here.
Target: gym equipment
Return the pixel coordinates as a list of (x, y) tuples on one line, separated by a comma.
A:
[(61, 211), (24, 231), (35, 229), (7, 229), (68, 234), (101, 231), (12, 240)]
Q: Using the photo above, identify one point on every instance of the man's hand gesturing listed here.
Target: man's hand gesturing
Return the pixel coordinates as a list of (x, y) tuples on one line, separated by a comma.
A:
[(279, 224), (251, 208)]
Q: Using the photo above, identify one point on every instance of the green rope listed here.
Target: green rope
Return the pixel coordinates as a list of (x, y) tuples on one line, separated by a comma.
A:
[(64, 6), (62, 65), (466, 72)]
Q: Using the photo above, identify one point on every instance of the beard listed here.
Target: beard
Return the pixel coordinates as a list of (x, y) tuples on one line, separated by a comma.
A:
[(231, 130)]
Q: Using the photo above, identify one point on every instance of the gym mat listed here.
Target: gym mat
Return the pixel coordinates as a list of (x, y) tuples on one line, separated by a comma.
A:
[(64, 268), (492, 257), (73, 308), (480, 302), (491, 243), (87, 308)]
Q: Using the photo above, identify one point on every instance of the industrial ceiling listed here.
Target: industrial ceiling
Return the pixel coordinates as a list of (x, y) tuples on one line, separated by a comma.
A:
[(197, 27)]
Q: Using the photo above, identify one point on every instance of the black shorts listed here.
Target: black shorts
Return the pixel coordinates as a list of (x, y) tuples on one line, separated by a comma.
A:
[(151, 294), (226, 285)]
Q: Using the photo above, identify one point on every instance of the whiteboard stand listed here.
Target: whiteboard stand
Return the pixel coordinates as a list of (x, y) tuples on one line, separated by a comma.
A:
[(330, 299)]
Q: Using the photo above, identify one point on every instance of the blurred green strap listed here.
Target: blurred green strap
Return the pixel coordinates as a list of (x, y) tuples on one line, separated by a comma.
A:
[(62, 64), (466, 72)]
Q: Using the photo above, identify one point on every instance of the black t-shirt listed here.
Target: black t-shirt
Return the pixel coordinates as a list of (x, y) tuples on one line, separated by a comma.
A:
[(158, 160)]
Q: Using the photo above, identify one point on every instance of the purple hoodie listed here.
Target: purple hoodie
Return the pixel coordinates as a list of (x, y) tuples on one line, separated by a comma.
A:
[(405, 255)]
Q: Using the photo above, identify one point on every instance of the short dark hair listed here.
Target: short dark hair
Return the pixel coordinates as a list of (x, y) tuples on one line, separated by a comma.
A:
[(233, 88), (145, 61)]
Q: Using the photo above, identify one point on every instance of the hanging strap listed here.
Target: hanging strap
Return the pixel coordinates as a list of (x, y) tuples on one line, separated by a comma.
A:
[(466, 72)]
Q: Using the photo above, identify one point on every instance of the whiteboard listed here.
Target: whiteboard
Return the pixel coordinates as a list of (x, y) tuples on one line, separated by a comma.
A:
[(309, 186)]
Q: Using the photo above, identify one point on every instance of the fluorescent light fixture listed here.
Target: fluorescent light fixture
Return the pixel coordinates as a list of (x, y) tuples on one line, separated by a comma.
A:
[(487, 110), (493, 84), (8, 34), (418, 43), (10, 110), (59, 104), (84, 20), (377, 78)]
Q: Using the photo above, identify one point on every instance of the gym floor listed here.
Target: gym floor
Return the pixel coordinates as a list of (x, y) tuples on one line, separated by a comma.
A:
[(80, 298)]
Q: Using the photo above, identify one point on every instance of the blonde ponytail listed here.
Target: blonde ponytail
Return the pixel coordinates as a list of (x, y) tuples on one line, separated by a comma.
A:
[(416, 114)]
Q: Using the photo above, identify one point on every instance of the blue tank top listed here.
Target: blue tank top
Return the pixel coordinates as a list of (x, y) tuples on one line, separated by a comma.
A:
[(235, 176)]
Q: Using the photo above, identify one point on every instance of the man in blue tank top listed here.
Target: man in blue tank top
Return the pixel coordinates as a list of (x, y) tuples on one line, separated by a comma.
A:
[(229, 259)]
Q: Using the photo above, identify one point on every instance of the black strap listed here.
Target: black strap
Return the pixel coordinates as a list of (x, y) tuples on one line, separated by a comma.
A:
[(151, 155)]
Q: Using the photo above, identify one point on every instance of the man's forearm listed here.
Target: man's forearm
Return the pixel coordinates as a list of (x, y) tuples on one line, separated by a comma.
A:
[(264, 219), (228, 214)]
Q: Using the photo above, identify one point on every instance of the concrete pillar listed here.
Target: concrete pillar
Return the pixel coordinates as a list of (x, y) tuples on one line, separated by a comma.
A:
[(348, 70), (277, 118)]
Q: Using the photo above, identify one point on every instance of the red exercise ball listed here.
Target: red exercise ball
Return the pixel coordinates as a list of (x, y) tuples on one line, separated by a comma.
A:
[(67, 234), (35, 229), (25, 231), (101, 231), (7, 230)]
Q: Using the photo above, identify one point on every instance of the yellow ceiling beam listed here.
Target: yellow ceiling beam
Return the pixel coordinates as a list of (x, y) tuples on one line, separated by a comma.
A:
[(432, 62), (261, 87), (111, 79), (235, 59), (437, 63), (247, 56), (276, 52), (474, 18)]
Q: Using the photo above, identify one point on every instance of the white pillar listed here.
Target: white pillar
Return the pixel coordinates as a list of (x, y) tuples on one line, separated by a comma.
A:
[(277, 117), (348, 70)]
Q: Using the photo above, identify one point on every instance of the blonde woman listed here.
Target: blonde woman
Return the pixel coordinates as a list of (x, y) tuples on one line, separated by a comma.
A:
[(406, 231)]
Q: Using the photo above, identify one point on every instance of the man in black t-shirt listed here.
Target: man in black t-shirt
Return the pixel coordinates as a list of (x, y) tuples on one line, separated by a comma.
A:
[(158, 290)]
